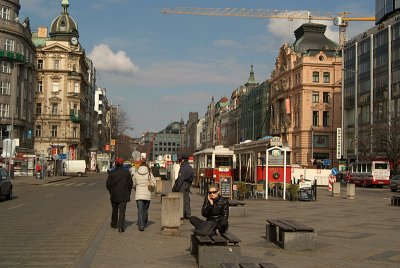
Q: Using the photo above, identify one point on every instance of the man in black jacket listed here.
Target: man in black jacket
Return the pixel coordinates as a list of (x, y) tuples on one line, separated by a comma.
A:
[(215, 210), (119, 185), (183, 183)]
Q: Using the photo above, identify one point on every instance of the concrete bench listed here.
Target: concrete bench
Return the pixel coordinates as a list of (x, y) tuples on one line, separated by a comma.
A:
[(212, 250), (395, 201), (236, 209), (290, 234)]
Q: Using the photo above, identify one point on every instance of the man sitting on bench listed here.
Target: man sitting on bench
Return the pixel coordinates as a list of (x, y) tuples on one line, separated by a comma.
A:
[(215, 210)]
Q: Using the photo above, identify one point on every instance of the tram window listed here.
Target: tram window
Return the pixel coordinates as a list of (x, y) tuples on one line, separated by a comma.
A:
[(209, 161), (368, 167), (223, 161)]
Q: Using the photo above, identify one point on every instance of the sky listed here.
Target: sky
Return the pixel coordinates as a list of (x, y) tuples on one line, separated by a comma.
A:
[(159, 67)]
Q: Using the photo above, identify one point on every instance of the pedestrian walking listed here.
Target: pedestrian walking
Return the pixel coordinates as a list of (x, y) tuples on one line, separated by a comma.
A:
[(142, 177), (183, 183), (216, 211), (119, 184)]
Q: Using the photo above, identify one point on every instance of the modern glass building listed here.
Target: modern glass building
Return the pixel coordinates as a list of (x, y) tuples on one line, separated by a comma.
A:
[(371, 88)]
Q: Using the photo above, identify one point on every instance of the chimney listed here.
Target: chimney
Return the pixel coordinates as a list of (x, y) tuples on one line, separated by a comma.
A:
[(42, 31)]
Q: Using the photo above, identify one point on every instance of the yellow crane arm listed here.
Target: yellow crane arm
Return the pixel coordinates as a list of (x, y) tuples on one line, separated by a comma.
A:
[(250, 13)]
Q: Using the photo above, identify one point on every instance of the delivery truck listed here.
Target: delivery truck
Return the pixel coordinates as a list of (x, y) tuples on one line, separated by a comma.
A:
[(75, 167)]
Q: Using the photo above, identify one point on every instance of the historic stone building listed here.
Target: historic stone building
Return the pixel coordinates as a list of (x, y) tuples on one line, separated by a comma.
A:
[(64, 102), (17, 76), (306, 96)]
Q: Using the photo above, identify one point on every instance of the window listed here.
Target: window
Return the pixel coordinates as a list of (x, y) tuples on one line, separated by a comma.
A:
[(38, 131), (315, 97), (315, 118), (38, 108), (76, 87), (9, 44), (6, 67), (4, 110), (54, 108), (40, 64), (315, 77), (40, 86), (56, 64), (74, 132), (56, 86), (326, 97), (5, 88), (325, 118), (5, 13), (53, 131), (75, 108), (327, 77)]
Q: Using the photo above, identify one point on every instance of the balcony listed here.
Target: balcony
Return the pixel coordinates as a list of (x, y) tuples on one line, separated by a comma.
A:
[(10, 55), (76, 118)]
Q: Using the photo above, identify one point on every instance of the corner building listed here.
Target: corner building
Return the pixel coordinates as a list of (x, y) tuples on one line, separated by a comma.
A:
[(17, 77), (62, 110), (306, 96)]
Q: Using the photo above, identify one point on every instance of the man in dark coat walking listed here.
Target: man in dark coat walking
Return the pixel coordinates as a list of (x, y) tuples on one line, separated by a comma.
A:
[(183, 183), (119, 184)]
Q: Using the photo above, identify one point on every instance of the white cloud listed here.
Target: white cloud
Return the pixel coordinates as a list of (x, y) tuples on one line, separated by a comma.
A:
[(117, 63)]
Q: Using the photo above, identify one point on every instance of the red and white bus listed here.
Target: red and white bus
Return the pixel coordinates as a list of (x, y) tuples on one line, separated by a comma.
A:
[(212, 164), (369, 173)]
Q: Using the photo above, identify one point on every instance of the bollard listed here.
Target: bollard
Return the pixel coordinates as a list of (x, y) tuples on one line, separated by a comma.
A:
[(170, 216), (336, 189), (180, 196), (351, 191)]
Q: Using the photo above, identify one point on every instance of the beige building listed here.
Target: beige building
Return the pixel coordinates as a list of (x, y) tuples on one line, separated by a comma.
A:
[(306, 96), (64, 100)]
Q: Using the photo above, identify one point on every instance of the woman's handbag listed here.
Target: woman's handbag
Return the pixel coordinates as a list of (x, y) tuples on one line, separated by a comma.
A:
[(151, 186)]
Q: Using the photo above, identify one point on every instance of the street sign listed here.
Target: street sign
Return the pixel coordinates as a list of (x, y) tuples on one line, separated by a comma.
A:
[(56, 157), (326, 162), (335, 171), (63, 156)]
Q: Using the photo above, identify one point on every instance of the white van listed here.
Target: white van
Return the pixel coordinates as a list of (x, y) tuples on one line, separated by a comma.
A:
[(75, 167)]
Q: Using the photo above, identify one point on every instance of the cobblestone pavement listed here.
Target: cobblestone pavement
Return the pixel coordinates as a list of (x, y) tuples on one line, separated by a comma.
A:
[(351, 233)]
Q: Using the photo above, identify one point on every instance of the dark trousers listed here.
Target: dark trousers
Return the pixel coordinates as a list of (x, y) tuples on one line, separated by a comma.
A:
[(203, 227), (143, 212), (118, 214), (186, 205)]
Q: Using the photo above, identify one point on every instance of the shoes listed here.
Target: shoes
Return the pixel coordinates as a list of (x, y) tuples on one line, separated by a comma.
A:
[(121, 230), (141, 228), (113, 226)]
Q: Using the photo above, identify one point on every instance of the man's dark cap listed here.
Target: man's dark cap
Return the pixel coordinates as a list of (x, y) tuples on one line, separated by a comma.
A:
[(184, 156)]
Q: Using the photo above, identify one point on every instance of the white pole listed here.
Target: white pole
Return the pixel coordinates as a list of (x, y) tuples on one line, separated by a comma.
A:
[(284, 175), (266, 173)]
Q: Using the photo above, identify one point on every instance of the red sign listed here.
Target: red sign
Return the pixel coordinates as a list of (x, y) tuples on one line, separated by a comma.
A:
[(107, 147)]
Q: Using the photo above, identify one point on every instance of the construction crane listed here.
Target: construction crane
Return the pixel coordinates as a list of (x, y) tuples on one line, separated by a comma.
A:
[(341, 21)]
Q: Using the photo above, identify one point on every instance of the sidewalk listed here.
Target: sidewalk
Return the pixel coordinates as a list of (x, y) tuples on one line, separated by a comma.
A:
[(32, 180), (351, 233)]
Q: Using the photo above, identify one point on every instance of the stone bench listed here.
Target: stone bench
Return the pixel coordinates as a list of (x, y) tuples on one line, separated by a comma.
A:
[(236, 209), (395, 201), (212, 250), (290, 234)]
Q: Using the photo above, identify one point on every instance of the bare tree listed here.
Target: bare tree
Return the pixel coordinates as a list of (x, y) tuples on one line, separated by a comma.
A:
[(386, 139), (120, 124)]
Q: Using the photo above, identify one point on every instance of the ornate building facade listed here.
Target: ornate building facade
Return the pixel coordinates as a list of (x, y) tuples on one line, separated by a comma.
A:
[(64, 101), (306, 96), (17, 76)]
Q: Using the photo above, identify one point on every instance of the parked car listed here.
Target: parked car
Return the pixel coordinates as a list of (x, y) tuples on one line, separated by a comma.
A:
[(394, 184), (5, 184)]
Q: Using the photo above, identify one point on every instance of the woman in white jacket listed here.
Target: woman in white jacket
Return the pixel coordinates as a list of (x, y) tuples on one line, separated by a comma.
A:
[(141, 178)]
